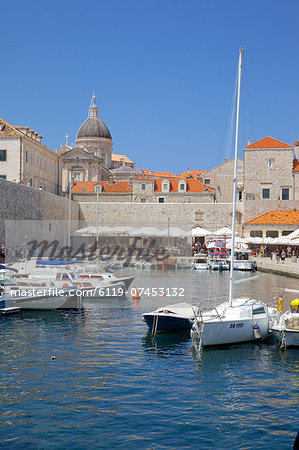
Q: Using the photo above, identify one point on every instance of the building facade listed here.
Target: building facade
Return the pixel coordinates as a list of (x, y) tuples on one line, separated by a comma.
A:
[(145, 190), (268, 179), (24, 159)]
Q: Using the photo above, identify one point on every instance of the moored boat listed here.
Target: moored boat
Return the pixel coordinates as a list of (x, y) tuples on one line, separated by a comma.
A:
[(286, 329), (177, 317), (243, 260), (237, 320), (245, 319), (200, 262)]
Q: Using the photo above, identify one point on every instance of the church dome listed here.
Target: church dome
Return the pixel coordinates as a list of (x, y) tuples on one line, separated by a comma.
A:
[(93, 126)]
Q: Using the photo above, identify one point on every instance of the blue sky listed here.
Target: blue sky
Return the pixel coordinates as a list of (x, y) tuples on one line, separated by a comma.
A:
[(163, 72)]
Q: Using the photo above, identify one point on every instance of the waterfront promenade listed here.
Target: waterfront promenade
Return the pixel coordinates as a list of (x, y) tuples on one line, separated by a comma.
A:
[(288, 268)]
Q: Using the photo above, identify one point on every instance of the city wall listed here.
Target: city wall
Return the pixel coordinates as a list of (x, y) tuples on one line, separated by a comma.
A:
[(207, 215), (33, 213)]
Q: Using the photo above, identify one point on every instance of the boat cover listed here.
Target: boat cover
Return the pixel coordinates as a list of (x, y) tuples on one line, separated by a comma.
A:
[(182, 309)]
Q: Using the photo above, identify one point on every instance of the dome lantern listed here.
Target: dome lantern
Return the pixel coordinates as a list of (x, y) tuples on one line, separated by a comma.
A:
[(93, 127), (94, 110)]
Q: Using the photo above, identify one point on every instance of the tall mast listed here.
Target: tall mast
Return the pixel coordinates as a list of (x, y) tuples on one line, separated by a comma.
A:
[(235, 181)]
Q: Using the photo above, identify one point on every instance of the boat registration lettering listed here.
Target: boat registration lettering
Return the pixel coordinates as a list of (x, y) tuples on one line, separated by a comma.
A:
[(237, 325)]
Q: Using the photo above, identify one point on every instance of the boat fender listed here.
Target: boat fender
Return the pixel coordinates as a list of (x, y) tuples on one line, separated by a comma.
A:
[(280, 304), (257, 332), (65, 285)]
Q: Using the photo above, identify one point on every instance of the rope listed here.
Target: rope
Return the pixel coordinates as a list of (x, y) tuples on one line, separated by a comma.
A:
[(155, 325)]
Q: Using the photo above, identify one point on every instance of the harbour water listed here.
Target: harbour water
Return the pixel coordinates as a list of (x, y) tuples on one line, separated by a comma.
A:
[(112, 386)]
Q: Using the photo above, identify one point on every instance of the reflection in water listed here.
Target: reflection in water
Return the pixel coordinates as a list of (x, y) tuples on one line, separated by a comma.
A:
[(166, 343)]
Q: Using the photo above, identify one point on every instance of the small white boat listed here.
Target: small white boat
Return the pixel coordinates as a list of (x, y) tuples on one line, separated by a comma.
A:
[(218, 264), (177, 317), (200, 262), (148, 265), (242, 320), (286, 330), (243, 260)]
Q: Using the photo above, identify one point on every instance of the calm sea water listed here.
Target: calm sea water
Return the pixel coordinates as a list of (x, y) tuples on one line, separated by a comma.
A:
[(112, 386)]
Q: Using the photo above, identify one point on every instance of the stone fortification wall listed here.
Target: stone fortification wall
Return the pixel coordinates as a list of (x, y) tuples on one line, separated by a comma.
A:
[(208, 215), (20, 203)]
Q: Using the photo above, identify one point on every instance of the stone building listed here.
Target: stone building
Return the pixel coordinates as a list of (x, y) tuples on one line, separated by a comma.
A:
[(24, 159), (275, 223), (221, 179), (124, 172), (268, 177), (145, 190), (121, 160)]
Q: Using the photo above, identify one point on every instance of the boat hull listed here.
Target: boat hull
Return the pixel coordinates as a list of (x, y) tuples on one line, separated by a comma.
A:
[(245, 265), (200, 266), (167, 322), (42, 303), (233, 331), (291, 336), (126, 280)]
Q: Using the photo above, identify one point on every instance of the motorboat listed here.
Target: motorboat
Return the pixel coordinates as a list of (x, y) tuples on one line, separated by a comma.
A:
[(91, 285), (286, 329), (177, 317), (184, 262), (36, 294), (236, 320), (218, 264), (90, 275), (243, 260), (105, 276), (200, 262)]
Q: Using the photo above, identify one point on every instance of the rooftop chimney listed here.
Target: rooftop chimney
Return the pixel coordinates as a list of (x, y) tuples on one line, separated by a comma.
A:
[(248, 142)]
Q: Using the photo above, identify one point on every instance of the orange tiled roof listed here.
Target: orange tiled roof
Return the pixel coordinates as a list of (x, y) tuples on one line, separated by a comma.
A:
[(115, 157), (192, 186), (125, 186), (153, 173), (296, 165), (277, 217), (88, 186), (269, 142), (191, 173)]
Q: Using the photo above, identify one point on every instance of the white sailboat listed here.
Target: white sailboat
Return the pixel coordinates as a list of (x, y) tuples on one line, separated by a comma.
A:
[(241, 319)]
